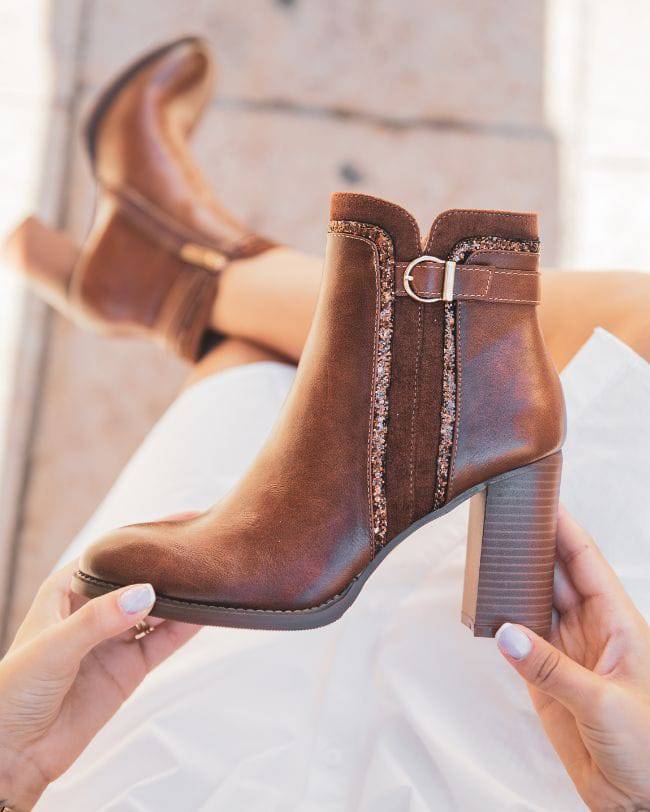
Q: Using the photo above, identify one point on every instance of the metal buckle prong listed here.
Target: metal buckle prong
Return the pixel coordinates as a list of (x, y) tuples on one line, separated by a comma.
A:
[(447, 285)]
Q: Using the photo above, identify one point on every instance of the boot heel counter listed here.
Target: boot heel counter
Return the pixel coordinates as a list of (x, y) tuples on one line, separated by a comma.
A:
[(510, 407), (560, 411), (553, 412)]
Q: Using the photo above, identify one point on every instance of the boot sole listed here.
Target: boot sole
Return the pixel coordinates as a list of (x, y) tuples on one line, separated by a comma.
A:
[(524, 585)]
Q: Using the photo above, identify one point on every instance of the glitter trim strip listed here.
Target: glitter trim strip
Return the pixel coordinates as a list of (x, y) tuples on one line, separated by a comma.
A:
[(459, 254), (382, 369)]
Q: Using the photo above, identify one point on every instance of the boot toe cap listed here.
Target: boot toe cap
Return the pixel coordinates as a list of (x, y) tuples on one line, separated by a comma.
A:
[(130, 555)]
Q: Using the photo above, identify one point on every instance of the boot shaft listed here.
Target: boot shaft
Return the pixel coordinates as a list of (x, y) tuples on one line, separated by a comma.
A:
[(462, 390), (159, 238)]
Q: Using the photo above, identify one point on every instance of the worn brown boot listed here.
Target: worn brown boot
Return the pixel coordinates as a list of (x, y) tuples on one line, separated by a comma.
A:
[(150, 264), (424, 381)]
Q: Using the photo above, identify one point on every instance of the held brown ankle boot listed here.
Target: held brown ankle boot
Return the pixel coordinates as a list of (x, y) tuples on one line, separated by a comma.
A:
[(150, 264), (424, 382)]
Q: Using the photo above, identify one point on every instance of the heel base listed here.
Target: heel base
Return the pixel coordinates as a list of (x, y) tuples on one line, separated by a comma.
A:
[(478, 631), (491, 631), (46, 258)]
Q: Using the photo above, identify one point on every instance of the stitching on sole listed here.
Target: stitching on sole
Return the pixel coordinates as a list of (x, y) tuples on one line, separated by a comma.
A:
[(82, 576)]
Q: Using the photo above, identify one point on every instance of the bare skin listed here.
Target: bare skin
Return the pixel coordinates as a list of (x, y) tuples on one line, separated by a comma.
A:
[(270, 299), (574, 303)]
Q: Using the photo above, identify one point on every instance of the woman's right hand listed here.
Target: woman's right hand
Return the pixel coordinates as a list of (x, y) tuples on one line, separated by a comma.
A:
[(590, 684)]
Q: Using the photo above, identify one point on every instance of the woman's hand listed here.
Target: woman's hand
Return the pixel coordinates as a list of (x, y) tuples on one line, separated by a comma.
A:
[(590, 684), (71, 666)]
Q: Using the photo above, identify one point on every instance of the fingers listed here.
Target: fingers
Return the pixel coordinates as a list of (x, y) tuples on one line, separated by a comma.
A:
[(585, 573), (51, 604), (585, 564), (169, 636), (548, 670), (565, 595), (101, 619)]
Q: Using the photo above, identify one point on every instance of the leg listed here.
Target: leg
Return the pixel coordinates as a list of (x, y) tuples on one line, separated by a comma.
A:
[(574, 303), (270, 299), (232, 352)]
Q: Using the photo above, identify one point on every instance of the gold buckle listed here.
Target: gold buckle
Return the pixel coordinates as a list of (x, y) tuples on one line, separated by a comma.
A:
[(447, 285), (204, 257)]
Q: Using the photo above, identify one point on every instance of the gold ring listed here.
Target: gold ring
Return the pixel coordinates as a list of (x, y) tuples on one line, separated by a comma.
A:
[(142, 629)]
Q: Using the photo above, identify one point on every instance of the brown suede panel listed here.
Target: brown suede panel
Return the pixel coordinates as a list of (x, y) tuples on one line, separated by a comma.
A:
[(403, 396), (456, 224), (414, 422), (427, 421), (395, 220)]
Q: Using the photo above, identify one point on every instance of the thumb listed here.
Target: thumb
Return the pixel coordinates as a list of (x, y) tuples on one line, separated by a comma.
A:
[(547, 669), (102, 618)]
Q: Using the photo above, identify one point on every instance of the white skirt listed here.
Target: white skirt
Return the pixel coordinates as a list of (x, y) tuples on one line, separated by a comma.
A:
[(394, 708)]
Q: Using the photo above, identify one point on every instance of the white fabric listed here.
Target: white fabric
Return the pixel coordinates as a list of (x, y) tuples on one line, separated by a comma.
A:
[(395, 708)]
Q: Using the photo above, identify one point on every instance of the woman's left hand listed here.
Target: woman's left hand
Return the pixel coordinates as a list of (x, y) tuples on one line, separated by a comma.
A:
[(590, 683), (72, 665)]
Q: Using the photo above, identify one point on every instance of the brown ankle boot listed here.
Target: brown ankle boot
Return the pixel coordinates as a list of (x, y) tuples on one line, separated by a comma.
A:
[(424, 381), (150, 264)]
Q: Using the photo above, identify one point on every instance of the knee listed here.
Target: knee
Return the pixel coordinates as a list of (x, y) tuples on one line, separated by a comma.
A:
[(231, 352)]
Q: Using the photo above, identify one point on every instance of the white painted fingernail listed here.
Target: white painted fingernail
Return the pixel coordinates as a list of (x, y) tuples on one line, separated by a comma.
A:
[(136, 599), (513, 642)]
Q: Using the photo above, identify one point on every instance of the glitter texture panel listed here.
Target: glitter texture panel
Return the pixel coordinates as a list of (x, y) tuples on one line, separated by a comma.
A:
[(448, 410), (382, 368)]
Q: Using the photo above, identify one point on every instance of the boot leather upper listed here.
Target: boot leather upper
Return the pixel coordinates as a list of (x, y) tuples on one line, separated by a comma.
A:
[(298, 527), (153, 201)]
